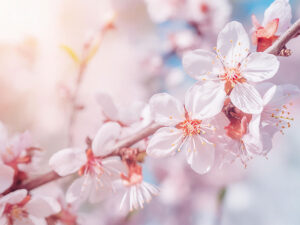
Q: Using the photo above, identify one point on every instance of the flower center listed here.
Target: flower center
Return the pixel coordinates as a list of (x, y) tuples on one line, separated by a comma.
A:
[(190, 127), (93, 165), (134, 175), (231, 77), (282, 117)]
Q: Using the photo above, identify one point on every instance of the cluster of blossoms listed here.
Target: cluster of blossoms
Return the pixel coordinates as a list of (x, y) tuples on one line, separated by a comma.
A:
[(229, 113)]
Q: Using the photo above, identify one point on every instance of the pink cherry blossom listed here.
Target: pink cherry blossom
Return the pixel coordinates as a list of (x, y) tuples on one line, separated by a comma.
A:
[(18, 158), (276, 115), (134, 191), (96, 172), (186, 129), (19, 208), (123, 116), (232, 71)]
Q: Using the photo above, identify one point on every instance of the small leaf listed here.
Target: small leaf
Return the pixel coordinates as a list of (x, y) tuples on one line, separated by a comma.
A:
[(71, 53)]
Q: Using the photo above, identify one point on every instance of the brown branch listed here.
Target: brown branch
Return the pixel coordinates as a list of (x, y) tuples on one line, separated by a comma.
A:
[(127, 142), (39, 181), (281, 42)]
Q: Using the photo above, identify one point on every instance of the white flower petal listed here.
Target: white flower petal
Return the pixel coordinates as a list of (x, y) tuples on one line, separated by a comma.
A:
[(280, 9), (14, 197), (245, 97), (205, 100), (115, 166), (108, 106), (6, 177), (233, 44), (99, 193), (164, 142), (200, 156), (41, 207), (79, 189), (202, 64), (166, 109), (105, 138), (68, 161), (259, 66), (269, 94)]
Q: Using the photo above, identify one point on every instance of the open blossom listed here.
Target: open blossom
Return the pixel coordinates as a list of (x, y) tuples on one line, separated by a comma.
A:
[(96, 171), (186, 129), (19, 208), (231, 72), (135, 192), (277, 19)]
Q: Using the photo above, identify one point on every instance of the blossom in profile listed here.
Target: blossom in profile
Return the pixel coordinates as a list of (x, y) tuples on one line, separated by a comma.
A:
[(135, 192), (277, 19), (19, 208), (96, 172), (231, 72), (185, 129), (276, 115)]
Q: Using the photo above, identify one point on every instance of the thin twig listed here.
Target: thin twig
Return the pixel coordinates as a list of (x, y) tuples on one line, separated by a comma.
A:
[(280, 43)]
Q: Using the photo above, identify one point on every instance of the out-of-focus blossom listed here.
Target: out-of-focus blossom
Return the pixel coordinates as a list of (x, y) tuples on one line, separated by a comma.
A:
[(18, 158), (277, 19), (186, 130), (231, 72), (97, 172), (123, 116), (202, 14), (19, 208)]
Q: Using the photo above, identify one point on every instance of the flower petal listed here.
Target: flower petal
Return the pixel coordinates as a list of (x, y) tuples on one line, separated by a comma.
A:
[(42, 207), (280, 9), (114, 166), (233, 44), (164, 142), (202, 64), (79, 189), (259, 66), (245, 97), (105, 138), (14, 197), (6, 177), (67, 161), (166, 109), (205, 100), (108, 106), (200, 156)]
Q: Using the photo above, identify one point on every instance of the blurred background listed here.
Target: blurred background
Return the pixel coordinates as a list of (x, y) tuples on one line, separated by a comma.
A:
[(140, 57)]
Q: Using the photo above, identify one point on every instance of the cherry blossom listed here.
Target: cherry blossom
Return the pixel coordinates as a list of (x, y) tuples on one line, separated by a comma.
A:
[(232, 71), (186, 129), (276, 115), (96, 171), (18, 158), (243, 135), (134, 191), (124, 117), (19, 208), (277, 19)]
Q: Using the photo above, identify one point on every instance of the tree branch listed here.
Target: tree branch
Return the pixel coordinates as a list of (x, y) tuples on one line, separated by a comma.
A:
[(127, 142), (280, 43)]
